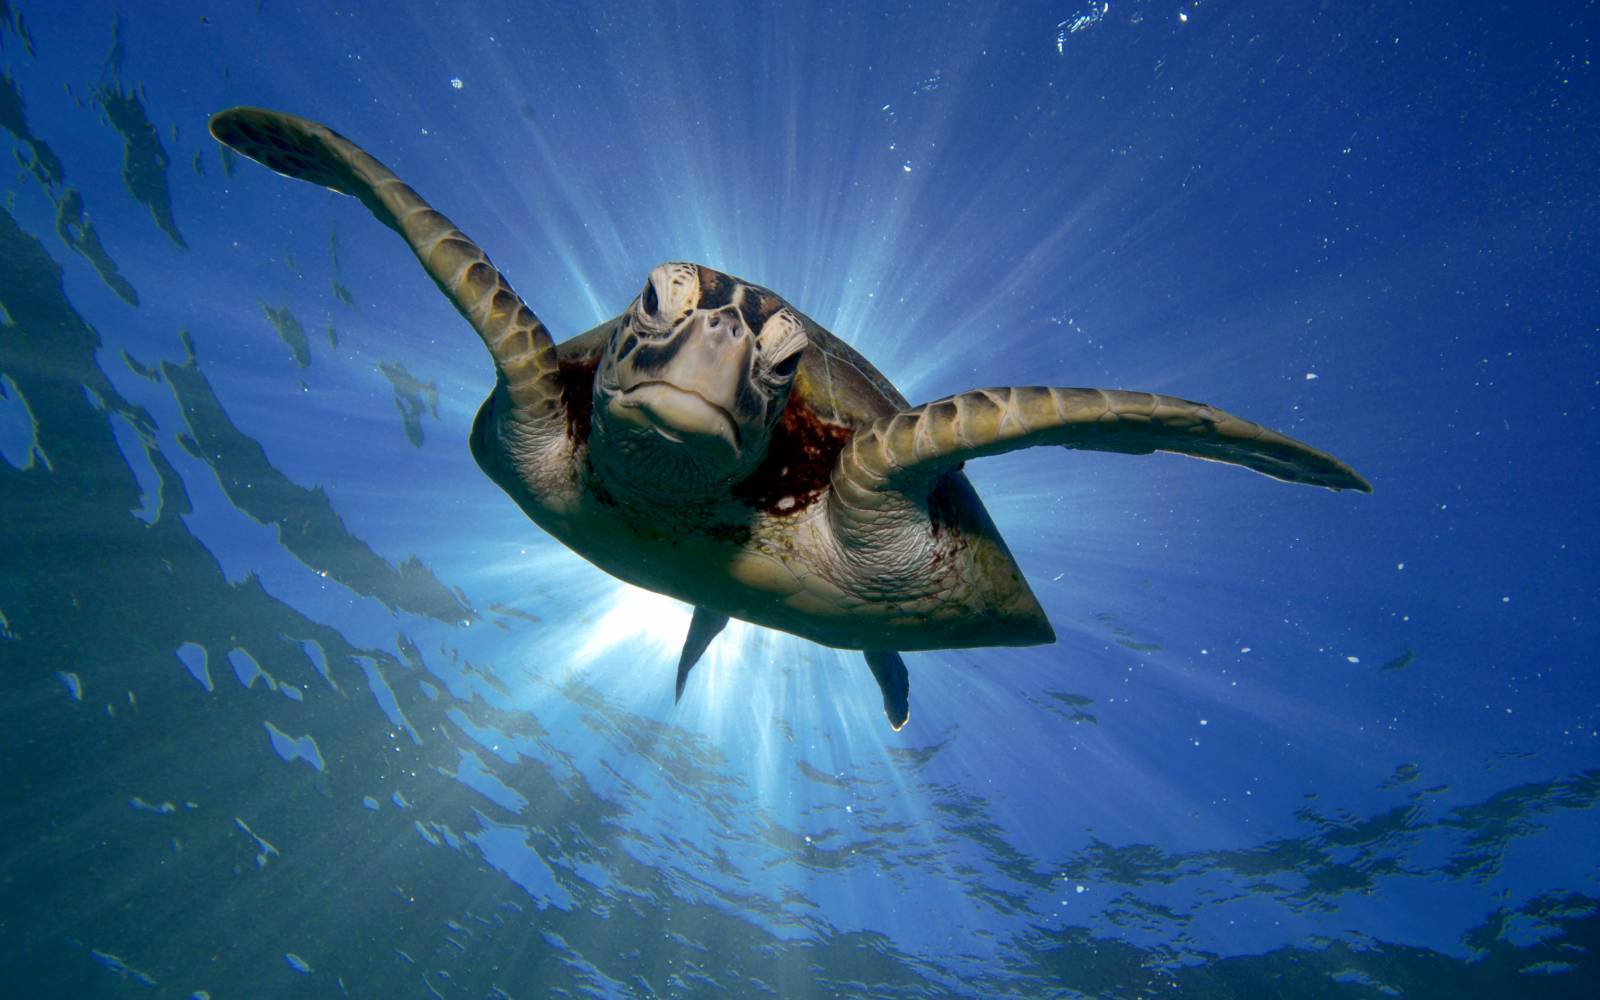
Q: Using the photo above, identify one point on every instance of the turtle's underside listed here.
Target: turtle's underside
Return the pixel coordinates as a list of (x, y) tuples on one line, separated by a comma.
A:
[(714, 444)]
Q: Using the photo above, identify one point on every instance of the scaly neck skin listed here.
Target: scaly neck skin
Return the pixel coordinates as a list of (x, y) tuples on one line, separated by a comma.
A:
[(641, 469)]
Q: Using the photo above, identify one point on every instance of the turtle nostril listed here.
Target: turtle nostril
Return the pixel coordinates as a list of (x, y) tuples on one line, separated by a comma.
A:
[(728, 318)]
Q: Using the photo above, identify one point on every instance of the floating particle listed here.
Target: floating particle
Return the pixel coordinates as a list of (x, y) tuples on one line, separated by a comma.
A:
[(1183, 17), (928, 85), (1311, 376), (1353, 659), (455, 81), (1072, 25), (906, 166)]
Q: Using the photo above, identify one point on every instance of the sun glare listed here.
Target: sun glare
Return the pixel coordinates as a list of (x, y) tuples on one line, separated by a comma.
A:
[(646, 624)]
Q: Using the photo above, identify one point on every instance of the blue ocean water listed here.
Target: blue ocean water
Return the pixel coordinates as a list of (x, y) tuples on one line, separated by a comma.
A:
[(297, 703)]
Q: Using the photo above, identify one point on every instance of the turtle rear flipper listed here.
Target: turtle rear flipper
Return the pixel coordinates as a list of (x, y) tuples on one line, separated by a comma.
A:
[(523, 352), (890, 672), (703, 627), (901, 456)]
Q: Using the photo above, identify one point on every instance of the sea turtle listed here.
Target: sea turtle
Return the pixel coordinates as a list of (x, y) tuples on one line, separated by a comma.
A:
[(715, 444)]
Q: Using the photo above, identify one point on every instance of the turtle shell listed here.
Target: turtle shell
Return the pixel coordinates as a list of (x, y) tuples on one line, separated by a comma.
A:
[(838, 384)]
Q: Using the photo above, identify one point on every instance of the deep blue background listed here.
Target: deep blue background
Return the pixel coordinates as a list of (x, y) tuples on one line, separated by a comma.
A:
[(1344, 741)]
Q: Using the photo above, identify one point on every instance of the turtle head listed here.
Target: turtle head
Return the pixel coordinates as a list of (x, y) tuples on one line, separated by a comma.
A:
[(693, 377)]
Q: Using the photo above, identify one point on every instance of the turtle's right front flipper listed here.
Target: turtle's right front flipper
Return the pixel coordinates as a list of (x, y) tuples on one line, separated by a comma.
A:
[(524, 355), (892, 464)]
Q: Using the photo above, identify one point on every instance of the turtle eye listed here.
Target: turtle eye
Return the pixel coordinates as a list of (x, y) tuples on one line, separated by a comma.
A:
[(786, 367), (667, 299), (649, 318), (782, 343)]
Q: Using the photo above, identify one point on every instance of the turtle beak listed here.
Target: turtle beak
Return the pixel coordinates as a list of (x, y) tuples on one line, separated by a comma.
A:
[(682, 416)]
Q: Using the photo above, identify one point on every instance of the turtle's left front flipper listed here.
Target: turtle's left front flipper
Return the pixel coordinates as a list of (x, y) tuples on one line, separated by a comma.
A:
[(899, 457), (524, 355)]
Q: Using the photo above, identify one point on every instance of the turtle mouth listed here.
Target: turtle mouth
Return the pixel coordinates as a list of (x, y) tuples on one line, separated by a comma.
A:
[(681, 416)]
